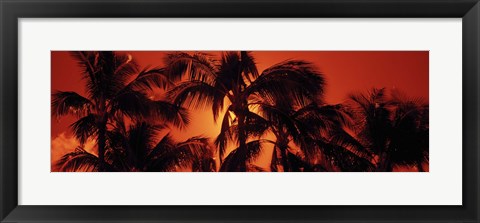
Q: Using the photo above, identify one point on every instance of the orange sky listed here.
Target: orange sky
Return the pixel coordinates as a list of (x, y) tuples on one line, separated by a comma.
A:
[(344, 71)]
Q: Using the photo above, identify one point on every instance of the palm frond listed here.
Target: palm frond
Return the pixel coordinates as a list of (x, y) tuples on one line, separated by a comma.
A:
[(345, 159), (137, 106), (199, 66), (168, 155), (409, 141), (87, 61), (230, 73), (163, 157), (342, 138), (373, 99), (336, 115), (249, 67), (296, 78), (235, 70), (68, 102), (150, 78), (398, 97), (255, 168), (194, 148), (170, 113), (279, 117), (232, 161), (372, 115), (198, 95), (84, 128), (226, 134), (348, 161), (133, 104), (125, 65), (106, 72), (141, 139), (395, 128), (78, 161), (108, 83), (204, 160), (255, 126), (162, 146)]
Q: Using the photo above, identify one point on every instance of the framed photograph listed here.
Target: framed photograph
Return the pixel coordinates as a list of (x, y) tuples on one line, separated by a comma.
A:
[(239, 111)]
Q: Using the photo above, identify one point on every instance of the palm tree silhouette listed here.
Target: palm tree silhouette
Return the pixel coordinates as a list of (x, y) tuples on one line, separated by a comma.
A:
[(372, 132), (79, 160), (115, 87), (235, 79), (393, 128), (310, 127), (138, 148)]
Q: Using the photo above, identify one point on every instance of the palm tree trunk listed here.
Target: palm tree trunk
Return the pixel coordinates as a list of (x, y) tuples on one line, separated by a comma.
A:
[(274, 161), (384, 164), (282, 145), (242, 138), (420, 167), (284, 154), (102, 130)]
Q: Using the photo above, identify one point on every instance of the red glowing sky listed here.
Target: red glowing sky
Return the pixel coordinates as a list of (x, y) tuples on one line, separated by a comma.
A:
[(345, 72)]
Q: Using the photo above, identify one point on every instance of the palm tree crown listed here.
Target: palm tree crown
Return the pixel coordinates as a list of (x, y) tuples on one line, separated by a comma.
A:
[(393, 128), (235, 82), (115, 87)]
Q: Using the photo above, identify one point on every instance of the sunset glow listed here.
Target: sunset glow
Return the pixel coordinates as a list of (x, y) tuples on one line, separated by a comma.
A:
[(345, 74)]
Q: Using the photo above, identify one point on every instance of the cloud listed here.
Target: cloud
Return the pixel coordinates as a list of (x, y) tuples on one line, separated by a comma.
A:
[(63, 144)]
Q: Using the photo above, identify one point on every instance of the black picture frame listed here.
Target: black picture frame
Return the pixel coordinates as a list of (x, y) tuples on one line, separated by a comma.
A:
[(12, 10)]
